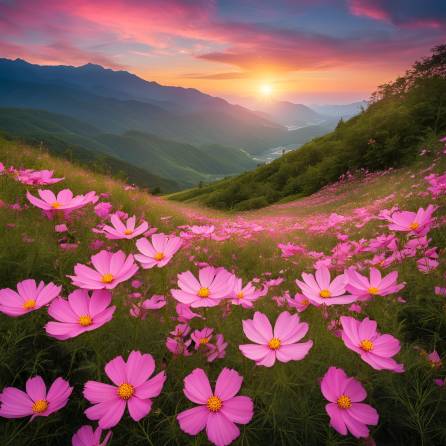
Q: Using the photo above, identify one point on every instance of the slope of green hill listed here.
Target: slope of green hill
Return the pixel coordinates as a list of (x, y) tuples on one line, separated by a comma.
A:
[(180, 164), (63, 143), (403, 116)]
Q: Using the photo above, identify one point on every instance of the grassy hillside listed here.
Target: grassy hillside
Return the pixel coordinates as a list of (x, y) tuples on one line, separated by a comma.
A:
[(336, 226), (402, 118), (165, 164)]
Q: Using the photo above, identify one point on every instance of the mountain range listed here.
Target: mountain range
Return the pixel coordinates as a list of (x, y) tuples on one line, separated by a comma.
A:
[(181, 135)]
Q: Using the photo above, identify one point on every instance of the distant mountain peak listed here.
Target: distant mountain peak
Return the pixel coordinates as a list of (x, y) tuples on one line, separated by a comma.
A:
[(92, 66)]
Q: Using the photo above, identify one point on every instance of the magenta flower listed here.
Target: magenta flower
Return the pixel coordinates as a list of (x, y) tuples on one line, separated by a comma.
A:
[(103, 209), (159, 252), (28, 297), (217, 411), (156, 302), (110, 269), (299, 302), (319, 289), (244, 296), (37, 177), (119, 230), (213, 285), (434, 359), (280, 344), (85, 436), (132, 388), (373, 348), (345, 409), (36, 401), (217, 350), (79, 314), (415, 223), (202, 337), (185, 314), (202, 230), (178, 346), (64, 201), (364, 288)]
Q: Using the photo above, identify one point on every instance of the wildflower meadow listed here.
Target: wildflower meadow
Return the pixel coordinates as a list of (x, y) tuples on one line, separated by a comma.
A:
[(128, 319)]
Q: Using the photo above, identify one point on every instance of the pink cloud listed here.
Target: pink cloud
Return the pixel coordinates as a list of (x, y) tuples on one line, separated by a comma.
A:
[(68, 31), (414, 14), (371, 9)]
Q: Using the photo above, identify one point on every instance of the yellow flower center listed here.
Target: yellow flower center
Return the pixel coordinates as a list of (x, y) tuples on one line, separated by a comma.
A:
[(128, 231), (29, 304), (325, 294), (159, 256), (373, 290), (214, 403), (107, 278), (239, 295), (125, 391), (203, 292), (344, 402), (414, 226), (85, 320), (204, 341), (366, 345), (274, 344), (56, 205), (305, 302), (40, 406)]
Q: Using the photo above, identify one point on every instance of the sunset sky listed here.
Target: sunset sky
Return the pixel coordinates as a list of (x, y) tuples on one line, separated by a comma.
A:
[(310, 51)]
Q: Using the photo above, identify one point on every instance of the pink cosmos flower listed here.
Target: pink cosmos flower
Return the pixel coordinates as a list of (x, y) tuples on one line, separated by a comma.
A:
[(427, 264), (202, 230), (202, 337), (290, 249), (132, 388), (128, 231), (319, 289), (373, 348), (364, 288), (156, 302), (244, 296), (213, 285), (345, 409), (61, 228), (85, 436), (280, 344), (64, 201), (79, 314), (158, 252), (36, 401), (103, 209), (110, 269), (218, 411), (185, 314), (434, 359), (440, 291), (415, 223), (178, 346), (37, 177), (217, 350), (28, 297), (299, 302)]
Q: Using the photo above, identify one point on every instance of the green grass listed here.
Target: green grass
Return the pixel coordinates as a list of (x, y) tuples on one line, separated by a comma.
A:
[(289, 408)]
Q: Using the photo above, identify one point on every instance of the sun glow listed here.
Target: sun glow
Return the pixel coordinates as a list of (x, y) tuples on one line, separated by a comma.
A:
[(266, 90)]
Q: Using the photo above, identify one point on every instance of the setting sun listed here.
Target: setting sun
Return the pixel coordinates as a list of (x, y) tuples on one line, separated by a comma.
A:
[(266, 90)]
